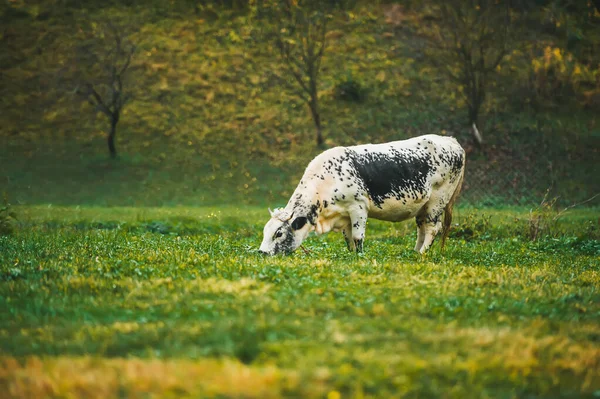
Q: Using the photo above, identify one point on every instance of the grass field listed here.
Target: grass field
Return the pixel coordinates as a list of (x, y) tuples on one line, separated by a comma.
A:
[(139, 276), (175, 302)]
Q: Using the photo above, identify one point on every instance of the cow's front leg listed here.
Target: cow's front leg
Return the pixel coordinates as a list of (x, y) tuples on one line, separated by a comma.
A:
[(420, 234), (358, 219), (347, 232), (428, 229)]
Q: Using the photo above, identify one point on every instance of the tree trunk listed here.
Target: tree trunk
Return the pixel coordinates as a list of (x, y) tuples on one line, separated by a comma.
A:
[(111, 136), (473, 113), (473, 120), (314, 111)]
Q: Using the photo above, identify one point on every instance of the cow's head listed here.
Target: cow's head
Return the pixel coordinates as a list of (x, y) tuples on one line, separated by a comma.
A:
[(284, 232)]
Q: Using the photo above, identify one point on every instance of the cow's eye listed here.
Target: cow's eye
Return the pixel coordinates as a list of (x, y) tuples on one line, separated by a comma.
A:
[(278, 234)]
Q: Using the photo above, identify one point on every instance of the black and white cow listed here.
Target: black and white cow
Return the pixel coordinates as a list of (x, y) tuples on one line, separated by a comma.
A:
[(343, 186)]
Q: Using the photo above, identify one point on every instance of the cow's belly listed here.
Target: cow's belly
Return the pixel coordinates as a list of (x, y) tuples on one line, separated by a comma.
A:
[(393, 210)]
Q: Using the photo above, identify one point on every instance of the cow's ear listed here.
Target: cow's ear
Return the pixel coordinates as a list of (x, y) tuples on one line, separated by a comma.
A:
[(299, 222)]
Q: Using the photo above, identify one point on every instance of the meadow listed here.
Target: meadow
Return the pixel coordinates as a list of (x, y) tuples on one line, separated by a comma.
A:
[(139, 276), (176, 302)]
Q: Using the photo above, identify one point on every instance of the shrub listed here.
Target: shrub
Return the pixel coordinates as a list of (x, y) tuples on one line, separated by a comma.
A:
[(7, 218), (473, 226), (557, 74), (350, 89), (543, 219)]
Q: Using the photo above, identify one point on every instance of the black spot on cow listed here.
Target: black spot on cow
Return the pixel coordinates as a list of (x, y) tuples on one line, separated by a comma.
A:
[(389, 176), (312, 214), (298, 223), (285, 244), (359, 245)]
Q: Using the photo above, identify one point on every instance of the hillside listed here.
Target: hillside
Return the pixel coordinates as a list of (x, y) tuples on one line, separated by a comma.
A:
[(208, 124)]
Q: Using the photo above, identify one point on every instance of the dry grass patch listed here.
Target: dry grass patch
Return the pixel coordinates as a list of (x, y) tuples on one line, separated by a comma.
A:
[(88, 377), (553, 360)]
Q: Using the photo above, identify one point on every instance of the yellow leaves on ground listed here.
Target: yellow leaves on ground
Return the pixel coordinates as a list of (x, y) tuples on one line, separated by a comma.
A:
[(158, 66), (238, 287), (334, 34), (21, 99), (255, 79), (333, 395), (108, 378), (50, 115), (210, 96)]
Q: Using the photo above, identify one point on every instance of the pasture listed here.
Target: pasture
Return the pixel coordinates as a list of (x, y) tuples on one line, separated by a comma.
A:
[(103, 302), (140, 276)]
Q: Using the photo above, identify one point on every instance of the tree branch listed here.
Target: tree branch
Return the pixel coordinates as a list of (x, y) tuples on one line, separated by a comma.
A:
[(574, 205), (99, 103)]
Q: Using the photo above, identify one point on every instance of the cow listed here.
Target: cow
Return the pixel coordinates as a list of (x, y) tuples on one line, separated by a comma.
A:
[(343, 186)]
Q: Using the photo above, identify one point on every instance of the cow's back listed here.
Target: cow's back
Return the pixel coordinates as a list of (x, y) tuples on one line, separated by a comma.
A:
[(393, 180), (400, 177)]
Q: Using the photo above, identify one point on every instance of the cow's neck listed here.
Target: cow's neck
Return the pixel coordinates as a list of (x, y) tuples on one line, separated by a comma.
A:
[(305, 202)]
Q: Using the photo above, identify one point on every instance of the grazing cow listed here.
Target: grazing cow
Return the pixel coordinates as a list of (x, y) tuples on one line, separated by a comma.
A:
[(343, 186)]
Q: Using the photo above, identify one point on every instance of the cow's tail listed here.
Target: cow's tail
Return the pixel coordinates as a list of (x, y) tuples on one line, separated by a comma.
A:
[(448, 209)]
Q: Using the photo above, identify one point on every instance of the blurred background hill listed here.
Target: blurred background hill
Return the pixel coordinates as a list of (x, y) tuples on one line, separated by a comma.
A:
[(211, 114)]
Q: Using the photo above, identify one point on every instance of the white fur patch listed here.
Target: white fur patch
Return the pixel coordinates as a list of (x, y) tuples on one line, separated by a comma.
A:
[(281, 214)]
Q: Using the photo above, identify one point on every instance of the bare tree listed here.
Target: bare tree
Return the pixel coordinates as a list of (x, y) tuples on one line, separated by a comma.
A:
[(468, 42), (103, 61), (298, 29)]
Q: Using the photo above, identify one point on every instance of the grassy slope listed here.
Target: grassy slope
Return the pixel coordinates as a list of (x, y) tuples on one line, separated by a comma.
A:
[(209, 126), (143, 300)]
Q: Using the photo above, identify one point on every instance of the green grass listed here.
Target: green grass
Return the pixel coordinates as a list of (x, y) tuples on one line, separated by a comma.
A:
[(99, 302), (139, 277)]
